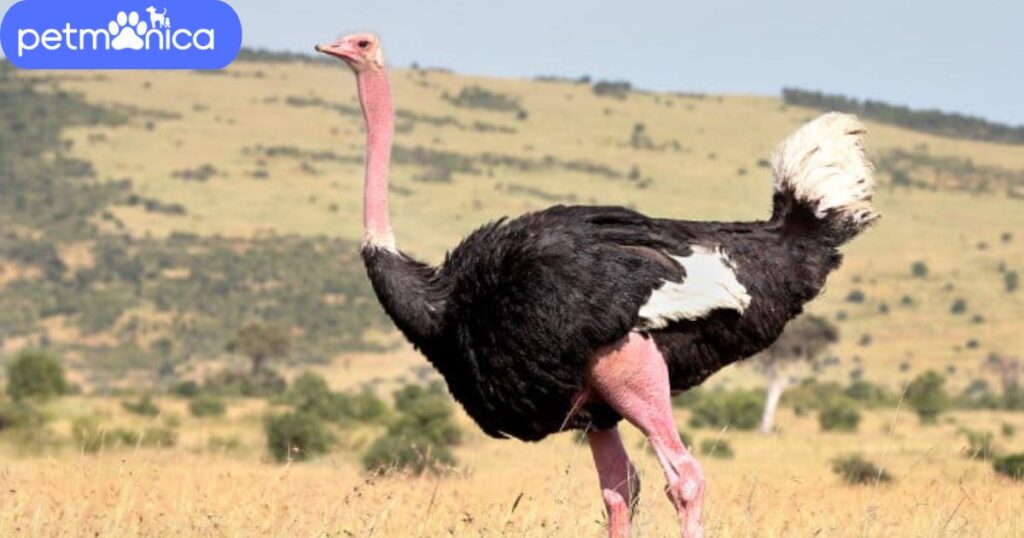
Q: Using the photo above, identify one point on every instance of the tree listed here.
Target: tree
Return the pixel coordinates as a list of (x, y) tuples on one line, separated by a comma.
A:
[(1009, 370), (260, 342), (803, 341), (927, 396), (35, 374)]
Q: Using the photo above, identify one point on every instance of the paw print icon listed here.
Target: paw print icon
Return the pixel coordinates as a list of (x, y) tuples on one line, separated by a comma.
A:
[(127, 31)]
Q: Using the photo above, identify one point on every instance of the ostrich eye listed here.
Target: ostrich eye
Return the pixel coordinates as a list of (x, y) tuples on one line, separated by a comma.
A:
[(363, 44)]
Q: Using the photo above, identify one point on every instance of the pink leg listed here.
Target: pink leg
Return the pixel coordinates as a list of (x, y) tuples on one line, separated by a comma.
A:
[(620, 485), (632, 377)]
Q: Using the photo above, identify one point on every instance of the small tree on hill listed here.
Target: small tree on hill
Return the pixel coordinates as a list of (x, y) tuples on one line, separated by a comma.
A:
[(803, 341), (35, 374), (927, 396), (260, 342), (1008, 369)]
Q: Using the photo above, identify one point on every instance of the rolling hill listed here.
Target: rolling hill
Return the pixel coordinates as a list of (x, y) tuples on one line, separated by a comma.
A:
[(144, 216)]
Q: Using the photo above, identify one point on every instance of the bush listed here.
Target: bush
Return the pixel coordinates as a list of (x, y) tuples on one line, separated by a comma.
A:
[(207, 406), (856, 296), (919, 269), (35, 374), (419, 439), (958, 307), (615, 89), (143, 407), (716, 448), (186, 389), (1011, 466), (1011, 280), (869, 394), (265, 382), (811, 394), (736, 409), (310, 393), (19, 415), (856, 470), (475, 97), (927, 396), (297, 436), (980, 445), (391, 452), (839, 415), (158, 437)]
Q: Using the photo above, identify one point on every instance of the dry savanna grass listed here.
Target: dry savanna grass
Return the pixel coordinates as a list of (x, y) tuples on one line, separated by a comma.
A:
[(778, 485)]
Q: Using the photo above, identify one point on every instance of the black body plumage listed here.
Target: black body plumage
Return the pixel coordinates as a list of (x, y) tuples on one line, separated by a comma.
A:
[(513, 314)]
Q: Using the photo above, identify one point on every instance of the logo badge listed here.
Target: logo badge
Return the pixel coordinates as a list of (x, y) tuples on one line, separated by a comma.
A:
[(121, 34)]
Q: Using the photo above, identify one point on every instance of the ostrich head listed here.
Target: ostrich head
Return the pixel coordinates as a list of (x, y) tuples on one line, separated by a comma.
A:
[(362, 51)]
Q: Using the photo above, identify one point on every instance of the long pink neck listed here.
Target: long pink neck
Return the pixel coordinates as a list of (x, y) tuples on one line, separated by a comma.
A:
[(375, 96)]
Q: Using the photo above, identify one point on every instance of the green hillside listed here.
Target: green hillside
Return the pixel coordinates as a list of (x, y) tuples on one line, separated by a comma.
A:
[(145, 216)]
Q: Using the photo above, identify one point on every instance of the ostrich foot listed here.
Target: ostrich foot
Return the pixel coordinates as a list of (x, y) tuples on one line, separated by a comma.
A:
[(620, 484), (632, 378)]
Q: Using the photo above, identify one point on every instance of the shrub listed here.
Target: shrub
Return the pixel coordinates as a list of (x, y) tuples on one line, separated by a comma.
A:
[(419, 439), (1008, 430), (155, 436), (856, 470), (366, 406), (207, 406), (265, 382), (1011, 280), (391, 452), (35, 374), (1011, 466), (143, 407), (927, 396), (959, 306), (979, 445), (476, 97), (19, 415), (978, 395), (615, 89), (297, 436), (735, 409), (919, 269), (840, 414), (856, 296), (186, 389), (716, 448), (869, 394), (310, 393)]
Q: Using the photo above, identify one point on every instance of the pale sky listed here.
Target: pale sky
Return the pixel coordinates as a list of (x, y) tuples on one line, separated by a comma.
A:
[(962, 56)]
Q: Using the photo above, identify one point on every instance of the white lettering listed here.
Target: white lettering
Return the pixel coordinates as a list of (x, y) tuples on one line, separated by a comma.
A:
[(208, 32), (51, 39), (174, 39), (22, 46)]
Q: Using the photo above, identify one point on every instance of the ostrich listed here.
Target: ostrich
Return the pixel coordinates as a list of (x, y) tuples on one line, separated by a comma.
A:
[(575, 317)]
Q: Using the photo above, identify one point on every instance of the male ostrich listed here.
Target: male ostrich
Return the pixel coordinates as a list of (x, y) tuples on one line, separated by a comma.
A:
[(575, 317)]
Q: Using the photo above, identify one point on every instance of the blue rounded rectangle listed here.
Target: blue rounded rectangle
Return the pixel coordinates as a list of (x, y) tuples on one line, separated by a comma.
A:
[(121, 34)]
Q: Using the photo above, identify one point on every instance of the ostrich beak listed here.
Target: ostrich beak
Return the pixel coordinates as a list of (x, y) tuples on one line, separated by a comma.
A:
[(341, 49)]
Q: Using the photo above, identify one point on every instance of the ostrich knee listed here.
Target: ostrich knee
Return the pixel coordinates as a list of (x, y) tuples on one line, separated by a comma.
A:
[(685, 491)]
